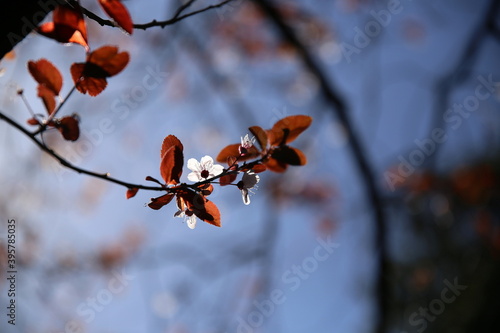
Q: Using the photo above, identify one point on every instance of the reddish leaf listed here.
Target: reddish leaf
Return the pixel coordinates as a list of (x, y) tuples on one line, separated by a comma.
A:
[(171, 165), (67, 26), (86, 81), (168, 142), (206, 189), (227, 179), (118, 12), (210, 214), (90, 77), (131, 192), (157, 203), (68, 126), (260, 135), (48, 98), (108, 58), (232, 151), (33, 121), (151, 179), (291, 127), (257, 168), (46, 75), (231, 161), (204, 209), (289, 155), (275, 165)]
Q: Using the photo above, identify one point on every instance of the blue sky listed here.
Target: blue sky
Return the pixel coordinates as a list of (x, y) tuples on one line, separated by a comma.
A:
[(209, 91)]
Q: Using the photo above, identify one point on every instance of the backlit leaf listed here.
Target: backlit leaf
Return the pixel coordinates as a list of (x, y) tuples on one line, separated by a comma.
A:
[(233, 151), (289, 155), (118, 12), (227, 179), (206, 189), (168, 142), (171, 165), (210, 214), (68, 126), (109, 59), (275, 165), (48, 98), (90, 77), (131, 192), (260, 135), (204, 209), (257, 168), (33, 121), (157, 203), (291, 127), (67, 26), (46, 74), (88, 80)]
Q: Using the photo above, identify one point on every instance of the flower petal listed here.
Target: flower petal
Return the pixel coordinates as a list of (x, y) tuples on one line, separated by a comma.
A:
[(194, 176), (217, 169), (245, 196), (250, 179), (193, 165), (191, 222), (207, 162)]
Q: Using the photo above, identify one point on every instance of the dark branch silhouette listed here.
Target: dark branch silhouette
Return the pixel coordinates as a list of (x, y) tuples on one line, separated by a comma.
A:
[(339, 108), (64, 162), (162, 24)]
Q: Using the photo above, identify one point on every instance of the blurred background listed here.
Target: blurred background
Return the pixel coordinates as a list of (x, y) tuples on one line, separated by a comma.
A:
[(419, 82)]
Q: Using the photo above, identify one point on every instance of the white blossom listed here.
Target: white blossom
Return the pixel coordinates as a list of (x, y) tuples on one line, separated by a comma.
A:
[(248, 183), (204, 169), (247, 142)]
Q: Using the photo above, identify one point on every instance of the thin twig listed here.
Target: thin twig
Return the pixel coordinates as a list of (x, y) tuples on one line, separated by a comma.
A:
[(106, 177), (183, 7), (176, 18), (64, 162), (51, 117), (26, 103)]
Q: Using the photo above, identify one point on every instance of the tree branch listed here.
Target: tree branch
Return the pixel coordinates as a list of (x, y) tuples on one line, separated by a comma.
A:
[(64, 162), (176, 18), (106, 177), (339, 108)]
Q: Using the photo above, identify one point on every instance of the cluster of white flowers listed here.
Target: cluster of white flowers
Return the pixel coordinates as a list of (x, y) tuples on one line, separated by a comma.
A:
[(206, 169)]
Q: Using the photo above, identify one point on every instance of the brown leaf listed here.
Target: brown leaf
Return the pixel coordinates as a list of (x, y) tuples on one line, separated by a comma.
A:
[(289, 155), (275, 165), (233, 151), (204, 209), (210, 215), (260, 135), (168, 142), (108, 58), (291, 127), (118, 12), (257, 168), (206, 189), (46, 74), (227, 179), (67, 26), (157, 203), (85, 82), (102, 63), (131, 192), (48, 98), (171, 165), (33, 121), (151, 179), (68, 126)]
